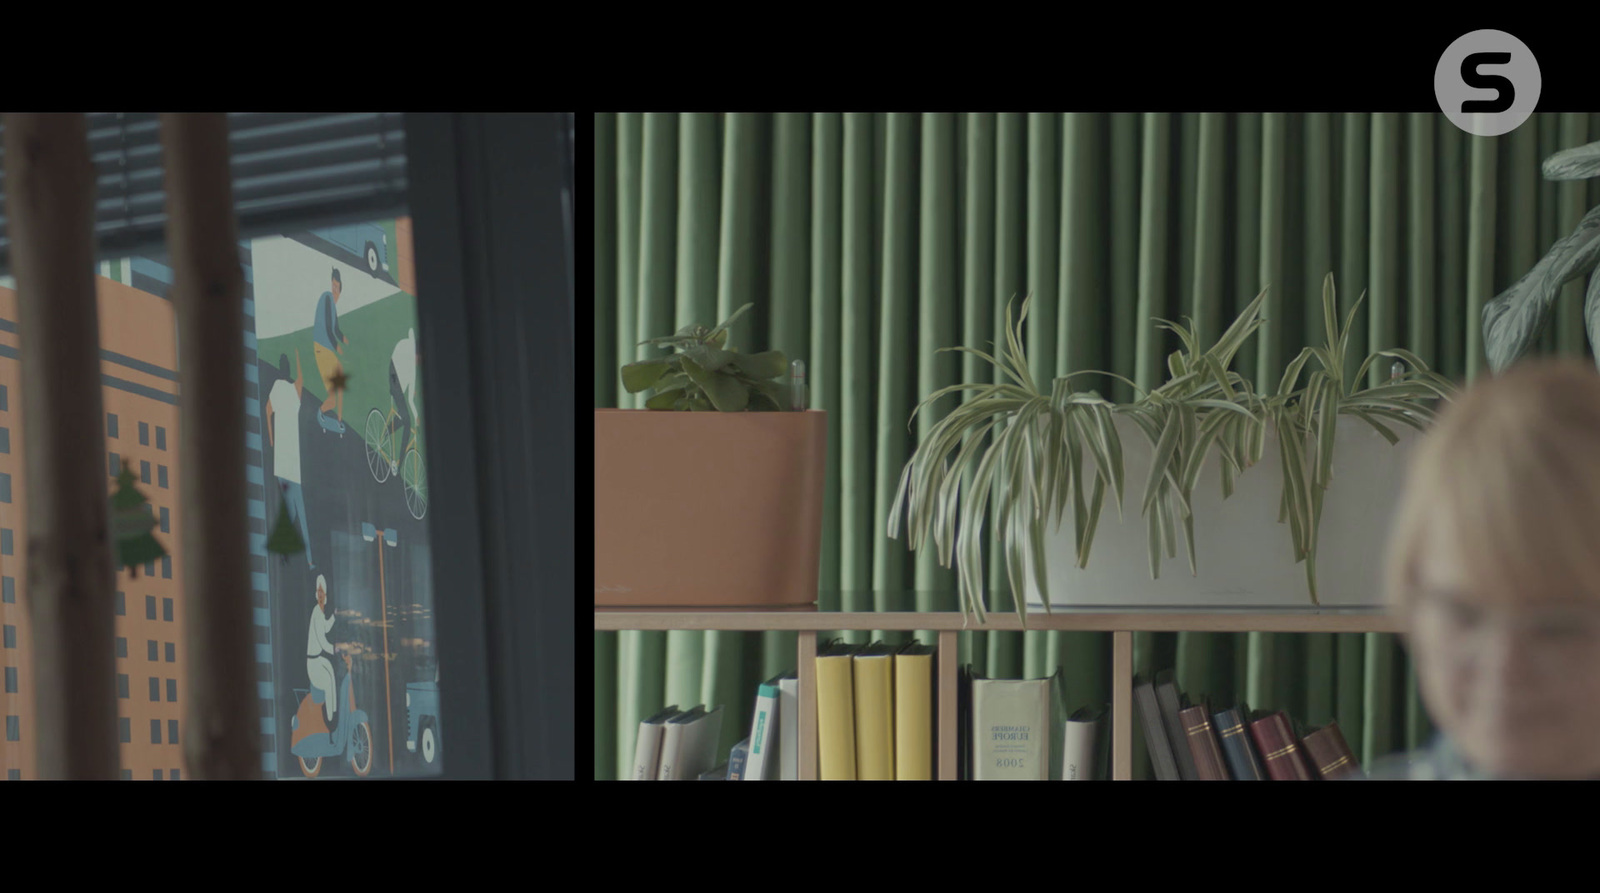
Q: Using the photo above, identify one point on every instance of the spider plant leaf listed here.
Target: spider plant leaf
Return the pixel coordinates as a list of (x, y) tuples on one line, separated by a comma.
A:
[(1015, 354), (1242, 328), (1037, 564), (1291, 374), (1413, 420), (1221, 405), (1220, 376), (1377, 426), (1295, 483), (1169, 534), (1091, 520), (997, 363), (1188, 543), (1080, 510), (1327, 429), (1330, 315), (1099, 435), (1228, 472), (1258, 438), (1185, 334), (1175, 364), (1209, 429), (1161, 457), (1153, 528), (1349, 321)]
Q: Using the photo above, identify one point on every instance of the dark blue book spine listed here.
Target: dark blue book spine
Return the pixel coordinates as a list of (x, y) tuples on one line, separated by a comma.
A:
[(1237, 748), (737, 759)]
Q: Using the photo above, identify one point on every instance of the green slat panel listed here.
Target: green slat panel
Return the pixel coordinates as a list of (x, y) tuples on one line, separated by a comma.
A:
[(826, 361), (1519, 189), (857, 372), (1421, 336), (938, 314), (1149, 360), (658, 214), (1205, 295), (699, 200), (791, 225), (630, 169), (726, 682), (606, 258), (1247, 229), (896, 304), (1187, 199), (1571, 339), (1350, 656), (1270, 337), (641, 688), (1352, 276), (1481, 234), (1044, 161), (1125, 204), (606, 746), (1549, 142), (1319, 680), (1452, 311), (685, 664), (1382, 308), (737, 266), (1321, 217), (1011, 280), (1380, 736)]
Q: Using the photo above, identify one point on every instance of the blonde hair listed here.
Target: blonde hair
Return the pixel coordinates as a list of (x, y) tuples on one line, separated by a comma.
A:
[(1509, 474)]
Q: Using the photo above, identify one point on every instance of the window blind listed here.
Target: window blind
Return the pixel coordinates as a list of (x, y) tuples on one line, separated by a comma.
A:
[(290, 172)]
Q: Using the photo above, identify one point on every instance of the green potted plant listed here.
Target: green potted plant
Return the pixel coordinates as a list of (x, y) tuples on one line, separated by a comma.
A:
[(1260, 532), (712, 494)]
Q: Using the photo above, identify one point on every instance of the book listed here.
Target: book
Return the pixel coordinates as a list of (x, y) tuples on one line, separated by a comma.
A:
[(763, 733), (647, 747), (1329, 754), (1203, 744), (1155, 732), (688, 744), (913, 712), (1011, 729), (1169, 698), (874, 703), (1238, 745), (738, 758), (720, 773), (836, 713), (789, 727), (1280, 750), (1081, 748)]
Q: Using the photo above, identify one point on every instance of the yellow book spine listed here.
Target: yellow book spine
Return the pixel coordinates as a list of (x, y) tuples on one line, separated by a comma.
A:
[(875, 718), (836, 735), (913, 713)]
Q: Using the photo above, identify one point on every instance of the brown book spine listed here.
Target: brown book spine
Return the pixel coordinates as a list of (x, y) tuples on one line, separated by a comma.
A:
[(1280, 753), (1329, 753), (1203, 744)]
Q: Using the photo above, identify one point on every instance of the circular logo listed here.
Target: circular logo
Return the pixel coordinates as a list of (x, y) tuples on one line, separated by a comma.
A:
[(1487, 82)]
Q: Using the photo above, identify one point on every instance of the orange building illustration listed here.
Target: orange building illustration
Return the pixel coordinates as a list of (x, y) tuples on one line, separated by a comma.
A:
[(138, 350)]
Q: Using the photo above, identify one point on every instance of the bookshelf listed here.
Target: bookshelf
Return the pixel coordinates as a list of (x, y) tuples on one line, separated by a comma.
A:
[(1122, 623)]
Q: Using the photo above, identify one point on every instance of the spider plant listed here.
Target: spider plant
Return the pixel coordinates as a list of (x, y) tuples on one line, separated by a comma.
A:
[(1037, 444)]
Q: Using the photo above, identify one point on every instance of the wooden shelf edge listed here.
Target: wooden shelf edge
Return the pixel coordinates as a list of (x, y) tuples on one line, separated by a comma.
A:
[(1347, 621)]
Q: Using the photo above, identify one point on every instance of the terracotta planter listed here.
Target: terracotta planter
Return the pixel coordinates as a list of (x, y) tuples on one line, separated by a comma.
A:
[(1245, 556), (707, 509)]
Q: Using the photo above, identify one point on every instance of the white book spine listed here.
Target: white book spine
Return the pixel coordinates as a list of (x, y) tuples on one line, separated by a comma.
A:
[(671, 738), (1078, 757), (789, 730), (763, 737), (647, 752)]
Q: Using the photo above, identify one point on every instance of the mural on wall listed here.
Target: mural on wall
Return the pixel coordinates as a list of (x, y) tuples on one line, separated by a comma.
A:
[(337, 373), (346, 671)]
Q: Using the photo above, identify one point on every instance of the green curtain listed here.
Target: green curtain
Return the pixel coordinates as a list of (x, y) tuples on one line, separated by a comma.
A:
[(869, 241)]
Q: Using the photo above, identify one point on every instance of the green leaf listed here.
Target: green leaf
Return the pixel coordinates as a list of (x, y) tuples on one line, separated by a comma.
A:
[(1161, 458), (1291, 375), (1382, 429), (724, 391), (767, 364), (1096, 498), (727, 323), (644, 374), (709, 358), (664, 399)]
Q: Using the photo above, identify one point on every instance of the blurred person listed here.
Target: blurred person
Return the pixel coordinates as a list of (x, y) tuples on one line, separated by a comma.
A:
[(328, 342), (1494, 570)]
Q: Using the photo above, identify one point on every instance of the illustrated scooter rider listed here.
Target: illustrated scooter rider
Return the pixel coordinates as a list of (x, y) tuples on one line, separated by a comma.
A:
[(318, 667)]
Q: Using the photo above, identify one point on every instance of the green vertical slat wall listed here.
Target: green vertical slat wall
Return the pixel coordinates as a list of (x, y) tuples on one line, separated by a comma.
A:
[(867, 242)]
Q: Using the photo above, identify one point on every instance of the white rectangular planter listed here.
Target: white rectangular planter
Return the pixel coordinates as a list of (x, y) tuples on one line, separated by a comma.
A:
[(1245, 558)]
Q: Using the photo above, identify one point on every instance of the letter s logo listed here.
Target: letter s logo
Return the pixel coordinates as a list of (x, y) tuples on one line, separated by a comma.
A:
[(1461, 84), (1474, 78)]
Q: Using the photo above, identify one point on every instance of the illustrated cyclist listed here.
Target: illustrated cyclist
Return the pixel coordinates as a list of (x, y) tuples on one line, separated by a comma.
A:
[(403, 388), (328, 341)]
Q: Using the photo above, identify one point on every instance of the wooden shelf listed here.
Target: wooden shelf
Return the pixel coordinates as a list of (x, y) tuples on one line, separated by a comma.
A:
[(1122, 623)]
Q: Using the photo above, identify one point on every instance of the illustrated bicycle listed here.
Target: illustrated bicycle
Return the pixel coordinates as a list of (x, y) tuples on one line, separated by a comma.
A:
[(385, 458)]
